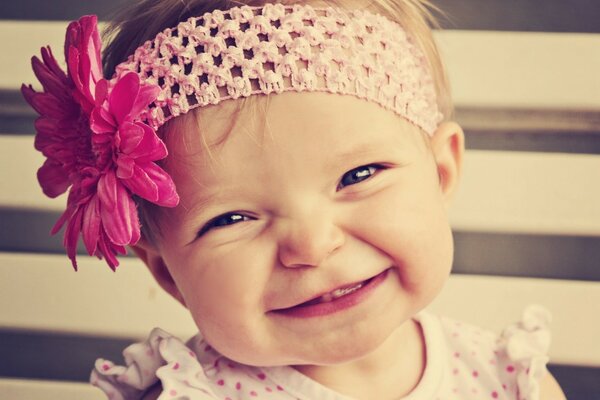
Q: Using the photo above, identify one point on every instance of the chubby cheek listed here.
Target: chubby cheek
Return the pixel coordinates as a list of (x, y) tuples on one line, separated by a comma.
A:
[(224, 295), (412, 229)]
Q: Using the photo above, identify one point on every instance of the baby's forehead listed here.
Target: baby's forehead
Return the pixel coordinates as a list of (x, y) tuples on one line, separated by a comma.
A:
[(341, 121)]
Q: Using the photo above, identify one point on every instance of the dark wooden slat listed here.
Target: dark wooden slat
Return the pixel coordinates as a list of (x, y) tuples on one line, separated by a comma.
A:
[(64, 357), (557, 131), (522, 15), (521, 255), (508, 15), (502, 254), (52, 356)]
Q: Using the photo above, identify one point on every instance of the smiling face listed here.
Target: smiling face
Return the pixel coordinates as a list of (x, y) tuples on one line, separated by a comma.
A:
[(310, 236)]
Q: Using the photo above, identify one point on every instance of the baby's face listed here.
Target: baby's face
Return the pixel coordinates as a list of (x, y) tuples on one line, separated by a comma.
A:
[(309, 237)]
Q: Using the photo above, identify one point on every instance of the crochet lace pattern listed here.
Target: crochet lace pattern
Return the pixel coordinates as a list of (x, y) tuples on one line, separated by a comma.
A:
[(275, 48)]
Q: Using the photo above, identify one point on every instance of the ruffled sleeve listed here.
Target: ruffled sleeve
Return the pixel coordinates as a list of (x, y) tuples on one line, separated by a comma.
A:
[(162, 356), (526, 345)]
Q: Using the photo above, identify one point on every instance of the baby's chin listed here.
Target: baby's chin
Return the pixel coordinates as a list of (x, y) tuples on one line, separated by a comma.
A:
[(358, 346)]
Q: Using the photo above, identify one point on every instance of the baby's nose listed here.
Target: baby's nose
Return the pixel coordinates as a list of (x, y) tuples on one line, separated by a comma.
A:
[(306, 241)]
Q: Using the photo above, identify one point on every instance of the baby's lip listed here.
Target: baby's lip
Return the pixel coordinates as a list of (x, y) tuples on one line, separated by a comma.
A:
[(327, 295)]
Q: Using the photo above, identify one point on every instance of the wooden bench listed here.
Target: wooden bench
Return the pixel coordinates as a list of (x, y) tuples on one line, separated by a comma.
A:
[(526, 219)]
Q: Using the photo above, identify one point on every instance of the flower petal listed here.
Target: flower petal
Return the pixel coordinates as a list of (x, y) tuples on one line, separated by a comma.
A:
[(109, 251), (99, 123), (125, 166), (72, 236), (91, 225), (153, 184), (51, 83), (150, 148), (123, 96), (53, 178), (131, 136), (146, 95), (120, 223)]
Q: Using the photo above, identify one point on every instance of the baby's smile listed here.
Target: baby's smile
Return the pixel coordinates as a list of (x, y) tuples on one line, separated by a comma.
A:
[(335, 300)]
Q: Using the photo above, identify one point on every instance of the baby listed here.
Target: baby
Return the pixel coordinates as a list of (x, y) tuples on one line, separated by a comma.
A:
[(301, 212)]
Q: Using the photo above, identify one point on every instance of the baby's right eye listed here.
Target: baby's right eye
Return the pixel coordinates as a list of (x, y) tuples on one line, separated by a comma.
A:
[(222, 221)]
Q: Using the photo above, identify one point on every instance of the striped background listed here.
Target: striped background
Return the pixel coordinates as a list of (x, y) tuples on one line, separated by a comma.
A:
[(527, 219)]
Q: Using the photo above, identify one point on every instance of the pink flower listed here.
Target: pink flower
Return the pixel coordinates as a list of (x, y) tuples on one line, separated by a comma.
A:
[(96, 146)]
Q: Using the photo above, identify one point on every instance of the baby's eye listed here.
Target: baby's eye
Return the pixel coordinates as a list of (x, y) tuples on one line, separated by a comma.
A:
[(222, 221), (357, 175)]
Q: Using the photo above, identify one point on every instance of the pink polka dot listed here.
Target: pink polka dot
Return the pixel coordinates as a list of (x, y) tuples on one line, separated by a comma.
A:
[(268, 389), (456, 354), (238, 386), (492, 362), (494, 395), (261, 376), (220, 382), (105, 367), (504, 386), (207, 348), (253, 393), (216, 363), (192, 354), (279, 388), (173, 392), (176, 366), (510, 369), (455, 371), (475, 374)]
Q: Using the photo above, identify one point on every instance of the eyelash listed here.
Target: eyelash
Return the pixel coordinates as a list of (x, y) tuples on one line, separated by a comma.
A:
[(371, 168), (222, 221), (234, 217)]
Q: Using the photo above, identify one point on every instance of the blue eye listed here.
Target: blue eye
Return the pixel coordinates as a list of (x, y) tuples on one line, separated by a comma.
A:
[(222, 221), (357, 175)]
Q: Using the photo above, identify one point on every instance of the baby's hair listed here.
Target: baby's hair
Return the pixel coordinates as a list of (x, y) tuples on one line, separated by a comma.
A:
[(144, 19)]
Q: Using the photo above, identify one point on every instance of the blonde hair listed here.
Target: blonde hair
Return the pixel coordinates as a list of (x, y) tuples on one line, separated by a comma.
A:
[(144, 19)]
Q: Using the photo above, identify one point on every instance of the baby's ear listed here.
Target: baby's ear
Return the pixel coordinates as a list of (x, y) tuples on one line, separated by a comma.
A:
[(149, 254), (448, 146)]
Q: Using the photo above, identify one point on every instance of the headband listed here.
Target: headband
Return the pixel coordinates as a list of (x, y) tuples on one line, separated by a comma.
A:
[(99, 136)]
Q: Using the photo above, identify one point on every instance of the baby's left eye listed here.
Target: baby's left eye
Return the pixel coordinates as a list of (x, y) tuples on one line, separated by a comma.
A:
[(357, 175)]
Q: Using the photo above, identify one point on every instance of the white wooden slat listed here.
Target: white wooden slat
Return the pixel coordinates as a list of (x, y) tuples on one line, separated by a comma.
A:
[(522, 69), (30, 389), (526, 192), (41, 292), (515, 69), (94, 300), (500, 191)]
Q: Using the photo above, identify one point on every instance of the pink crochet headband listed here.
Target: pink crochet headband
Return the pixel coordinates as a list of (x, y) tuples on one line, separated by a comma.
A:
[(275, 48), (99, 136)]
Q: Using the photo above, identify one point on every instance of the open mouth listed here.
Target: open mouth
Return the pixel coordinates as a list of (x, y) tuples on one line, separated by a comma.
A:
[(336, 300), (336, 294)]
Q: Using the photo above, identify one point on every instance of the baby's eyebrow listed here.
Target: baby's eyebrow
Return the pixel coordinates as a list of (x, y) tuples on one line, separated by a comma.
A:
[(200, 202), (357, 152)]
